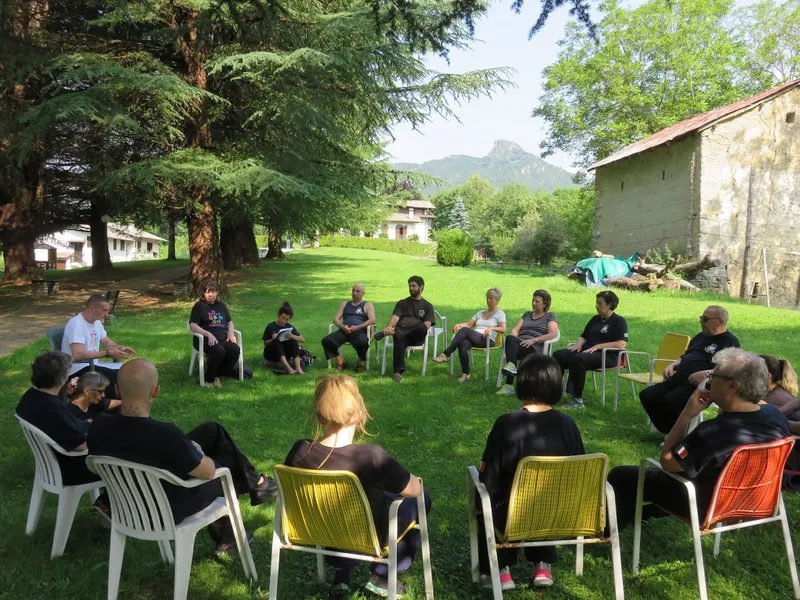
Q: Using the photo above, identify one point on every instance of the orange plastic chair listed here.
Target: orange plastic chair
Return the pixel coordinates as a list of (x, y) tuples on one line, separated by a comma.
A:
[(747, 494)]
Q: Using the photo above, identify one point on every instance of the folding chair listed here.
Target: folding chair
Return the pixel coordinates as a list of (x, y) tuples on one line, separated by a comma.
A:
[(327, 513), (554, 500), (498, 345), (672, 347), (199, 353), (370, 332), (433, 332), (747, 494), (48, 479), (140, 509), (547, 350), (622, 361), (55, 335)]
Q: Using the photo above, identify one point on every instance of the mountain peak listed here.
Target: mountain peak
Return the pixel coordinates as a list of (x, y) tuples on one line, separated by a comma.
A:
[(503, 148)]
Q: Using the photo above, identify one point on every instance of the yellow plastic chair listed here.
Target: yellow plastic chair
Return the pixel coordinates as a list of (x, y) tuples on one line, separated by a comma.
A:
[(327, 513), (672, 347), (555, 500), (486, 350)]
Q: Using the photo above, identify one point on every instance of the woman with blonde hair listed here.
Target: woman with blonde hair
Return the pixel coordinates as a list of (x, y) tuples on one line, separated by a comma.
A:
[(339, 411), (782, 386)]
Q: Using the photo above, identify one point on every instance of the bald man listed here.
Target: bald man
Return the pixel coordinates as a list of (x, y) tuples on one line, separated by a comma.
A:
[(665, 401), (352, 320), (135, 436)]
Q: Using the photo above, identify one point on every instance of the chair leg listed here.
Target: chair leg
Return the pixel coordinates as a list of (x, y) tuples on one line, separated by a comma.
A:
[(116, 552), (201, 365), (383, 363), (320, 566), (717, 538), (166, 552), (787, 537), (276, 553), (392, 556), (616, 389), (425, 357), (698, 558), (191, 361), (500, 368), (603, 383), (579, 556), (184, 549), (35, 508), (616, 555), (486, 373), (67, 507), (427, 570), (637, 519), (473, 532)]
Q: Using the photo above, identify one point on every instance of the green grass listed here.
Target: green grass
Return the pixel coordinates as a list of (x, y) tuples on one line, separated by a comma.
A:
[(431, 424)]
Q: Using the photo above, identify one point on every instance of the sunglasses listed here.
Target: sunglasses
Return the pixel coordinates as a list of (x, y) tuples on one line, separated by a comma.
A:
[(713, 376), (705, 319)]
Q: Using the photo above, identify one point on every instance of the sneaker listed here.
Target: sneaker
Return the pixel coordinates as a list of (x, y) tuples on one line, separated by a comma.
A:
[(359, 366), (217, 383), (340, 590), (397, 377), (264, 491), (380, 587), (101, 511), (379, 335), (510, 368), (506, 582), (542, 577), (228, 547), (505, 390), (574, 403)]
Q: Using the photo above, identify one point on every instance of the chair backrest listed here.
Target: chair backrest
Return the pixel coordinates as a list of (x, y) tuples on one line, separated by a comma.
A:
[(672, 347), (750, 482), (44, 454), (558, 497), (55, 335), (325, 508), (139, 506)]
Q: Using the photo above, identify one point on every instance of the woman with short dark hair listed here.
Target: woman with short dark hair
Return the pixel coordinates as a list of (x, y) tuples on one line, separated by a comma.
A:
[(211, 319), (282, 341), (534, 430), (605, 330)]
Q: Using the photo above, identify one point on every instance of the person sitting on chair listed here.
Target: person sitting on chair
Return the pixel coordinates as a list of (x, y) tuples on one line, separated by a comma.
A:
[(339, 411), (782, 394), (738, 382), (352, 320), (528, 336), (86, 396), (604, 330), (211, 319), (282, 342), (42, 407), (83, 337), (664, 401), (133, 435), (409, 324), (472, 334), (537, 429)]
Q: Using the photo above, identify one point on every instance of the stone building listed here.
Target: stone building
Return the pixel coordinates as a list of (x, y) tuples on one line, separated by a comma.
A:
[(725, 183)]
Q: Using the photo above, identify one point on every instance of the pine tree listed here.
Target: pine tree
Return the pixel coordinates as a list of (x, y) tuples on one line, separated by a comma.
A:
[(459, 218)]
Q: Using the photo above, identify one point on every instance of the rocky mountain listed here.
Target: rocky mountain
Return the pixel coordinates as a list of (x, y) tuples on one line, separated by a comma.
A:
[(506, 163)]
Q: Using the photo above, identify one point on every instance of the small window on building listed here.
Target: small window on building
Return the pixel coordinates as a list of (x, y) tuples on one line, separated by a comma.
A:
[(114, 243), (138, 245), (622, 185), (410, 212), (790, 117), (663, 175), (149, 246)]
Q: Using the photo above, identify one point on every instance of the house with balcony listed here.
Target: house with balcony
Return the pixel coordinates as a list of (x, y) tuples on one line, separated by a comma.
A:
[(415, 218)]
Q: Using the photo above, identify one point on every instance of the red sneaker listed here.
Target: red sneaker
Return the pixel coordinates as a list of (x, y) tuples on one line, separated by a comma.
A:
[(506, 582), (542, 577)]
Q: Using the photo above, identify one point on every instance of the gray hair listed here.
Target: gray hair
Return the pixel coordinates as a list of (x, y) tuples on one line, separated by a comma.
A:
[(495, 293), (747, 368), (90, 380), (720, 311)]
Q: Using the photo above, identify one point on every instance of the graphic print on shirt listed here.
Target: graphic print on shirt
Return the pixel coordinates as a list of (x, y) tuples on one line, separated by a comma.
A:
[(421, 313), (604, 329), (94, 341), (682, 452), (215, 319), (711, 348)]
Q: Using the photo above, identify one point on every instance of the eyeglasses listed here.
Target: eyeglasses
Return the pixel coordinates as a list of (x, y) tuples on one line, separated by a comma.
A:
[(705, 319), (713, 376)]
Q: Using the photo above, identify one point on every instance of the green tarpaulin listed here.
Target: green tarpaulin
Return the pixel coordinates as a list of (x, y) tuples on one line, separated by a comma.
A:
[(597, 269)]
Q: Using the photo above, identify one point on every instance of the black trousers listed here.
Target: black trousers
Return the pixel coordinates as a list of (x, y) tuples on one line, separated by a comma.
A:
[(217, 445), (335, 340), (665, 401), (412, 334), (577, 363), (288, 349), (221, 359), (659, 488), (465, 340), (515, 353), (110, 374)]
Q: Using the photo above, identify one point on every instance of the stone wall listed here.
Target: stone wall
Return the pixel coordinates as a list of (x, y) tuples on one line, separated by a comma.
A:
[(646, 201)]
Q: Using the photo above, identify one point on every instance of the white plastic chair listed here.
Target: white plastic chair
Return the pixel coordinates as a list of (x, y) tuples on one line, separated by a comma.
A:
[(200, 353), (140, 509), (547, 350), (48, 479), (433, 332), (370, 332)]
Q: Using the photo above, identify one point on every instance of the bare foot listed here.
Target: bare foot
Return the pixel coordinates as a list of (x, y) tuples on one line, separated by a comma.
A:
[(441, 358), (299, 371), (463, 378)]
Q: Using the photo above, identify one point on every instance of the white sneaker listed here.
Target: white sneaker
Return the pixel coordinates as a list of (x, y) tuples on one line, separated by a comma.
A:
[(510, 368), (506, 583)]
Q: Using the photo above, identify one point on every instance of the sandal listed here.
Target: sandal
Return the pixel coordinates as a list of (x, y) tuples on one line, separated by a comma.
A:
[(342, 366), (442, 358), (360, 367)]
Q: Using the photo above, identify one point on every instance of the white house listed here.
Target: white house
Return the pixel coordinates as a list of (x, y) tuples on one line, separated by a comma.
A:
[(415, 218), (72, 248)]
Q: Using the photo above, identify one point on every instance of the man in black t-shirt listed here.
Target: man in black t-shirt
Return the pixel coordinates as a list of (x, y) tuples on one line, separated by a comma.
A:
[(738, 383), (134, 436), (664, 401), (411, 319)]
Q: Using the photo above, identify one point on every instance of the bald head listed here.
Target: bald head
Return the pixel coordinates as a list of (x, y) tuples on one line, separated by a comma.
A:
[(358, 293), (137, 381)]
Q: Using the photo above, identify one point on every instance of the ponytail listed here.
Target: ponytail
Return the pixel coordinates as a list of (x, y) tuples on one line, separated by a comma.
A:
[(788, 378)]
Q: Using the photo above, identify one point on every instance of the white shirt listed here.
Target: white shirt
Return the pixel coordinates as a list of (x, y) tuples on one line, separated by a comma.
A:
[(79, 331), (482, 324)]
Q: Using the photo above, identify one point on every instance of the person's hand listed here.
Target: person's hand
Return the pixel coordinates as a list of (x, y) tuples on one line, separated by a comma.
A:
[(698, 402), (212, 341), (458, 326), (129, 352), (528, 343), (274, 335), (669, 371), (486, 333), (388, 330), (592, 350), (232, 338), (348, 329), (118, 353), (575, 348)]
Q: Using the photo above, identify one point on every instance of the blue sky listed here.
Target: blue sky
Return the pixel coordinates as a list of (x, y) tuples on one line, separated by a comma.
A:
[(502, 42)]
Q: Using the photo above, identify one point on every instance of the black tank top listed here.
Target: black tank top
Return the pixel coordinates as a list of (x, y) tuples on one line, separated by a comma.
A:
[(355, 315)]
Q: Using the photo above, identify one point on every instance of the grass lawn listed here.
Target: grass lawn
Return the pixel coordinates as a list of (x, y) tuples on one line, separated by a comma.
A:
[(432, 425)]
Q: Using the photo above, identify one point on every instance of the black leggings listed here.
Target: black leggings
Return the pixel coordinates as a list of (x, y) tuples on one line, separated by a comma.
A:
[(221, 359), (664, 402), (515, 352), (465, 339), (577, 363), (288, 349)]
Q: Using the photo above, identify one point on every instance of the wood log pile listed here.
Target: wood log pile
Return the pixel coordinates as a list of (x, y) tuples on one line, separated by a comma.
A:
[(648, 277)]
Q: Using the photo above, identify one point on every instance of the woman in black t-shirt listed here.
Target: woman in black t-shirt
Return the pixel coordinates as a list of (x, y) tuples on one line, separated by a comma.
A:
[(535, 430), (339, 411), (87, 396), (282, 341), (211, 319), (605, 330)]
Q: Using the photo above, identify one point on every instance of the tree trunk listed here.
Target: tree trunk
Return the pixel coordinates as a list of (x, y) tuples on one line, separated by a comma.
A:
[(249, 245), (230, 246), (274, 232), (101, 258), (171, 237), (204, 247), (18, 256), (19, 224)]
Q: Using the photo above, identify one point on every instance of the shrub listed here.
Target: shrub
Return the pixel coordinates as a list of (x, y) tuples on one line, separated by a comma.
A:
[(501, 244), (413, 237), (455, 248), (383, 244), (541, 238)]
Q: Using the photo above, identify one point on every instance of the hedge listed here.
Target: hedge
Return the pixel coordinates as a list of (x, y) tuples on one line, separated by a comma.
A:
[(386, 245), (455, 248)]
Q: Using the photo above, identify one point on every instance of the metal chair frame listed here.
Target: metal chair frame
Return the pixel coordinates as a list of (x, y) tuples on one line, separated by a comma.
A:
[(370, 333), (199, 353), (547, 350)]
